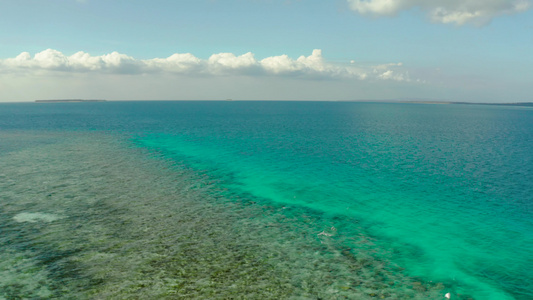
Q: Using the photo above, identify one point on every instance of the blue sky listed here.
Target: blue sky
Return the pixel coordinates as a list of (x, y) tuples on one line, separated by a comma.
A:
[(469, 50)]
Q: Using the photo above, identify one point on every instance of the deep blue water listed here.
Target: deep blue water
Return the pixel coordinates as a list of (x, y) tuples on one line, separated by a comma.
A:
[(443, 192)]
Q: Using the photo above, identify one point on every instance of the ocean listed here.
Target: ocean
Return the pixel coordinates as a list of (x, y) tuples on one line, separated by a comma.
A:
[(265, 199)]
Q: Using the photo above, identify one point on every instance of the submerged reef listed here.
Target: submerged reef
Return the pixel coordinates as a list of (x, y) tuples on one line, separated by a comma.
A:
[(88, 217)]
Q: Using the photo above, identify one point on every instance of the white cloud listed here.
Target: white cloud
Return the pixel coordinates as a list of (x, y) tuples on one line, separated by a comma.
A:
[(47, 59), (312, 66), (283, 64), (84, 61), (460, 12), (223, 63), (176, 63), (391, 75), (51, 59), (386, 72)]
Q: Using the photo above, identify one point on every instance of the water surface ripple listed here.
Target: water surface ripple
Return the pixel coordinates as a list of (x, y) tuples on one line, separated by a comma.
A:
[(293, 200)]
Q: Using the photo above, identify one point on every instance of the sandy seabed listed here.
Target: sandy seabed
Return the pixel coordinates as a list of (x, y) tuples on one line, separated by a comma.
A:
[(90, 216)]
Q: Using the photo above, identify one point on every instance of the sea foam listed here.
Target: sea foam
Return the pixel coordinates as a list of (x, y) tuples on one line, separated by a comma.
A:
[(36, 217)]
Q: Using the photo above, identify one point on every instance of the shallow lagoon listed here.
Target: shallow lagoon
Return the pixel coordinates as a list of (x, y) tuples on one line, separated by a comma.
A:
[(85, 218)]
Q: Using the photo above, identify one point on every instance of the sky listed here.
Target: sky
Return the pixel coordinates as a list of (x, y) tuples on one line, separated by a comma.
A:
[(426, 50)]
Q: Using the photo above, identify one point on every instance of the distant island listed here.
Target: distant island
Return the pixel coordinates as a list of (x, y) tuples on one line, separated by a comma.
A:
[(420, 101), (530, 104), (69, 100)]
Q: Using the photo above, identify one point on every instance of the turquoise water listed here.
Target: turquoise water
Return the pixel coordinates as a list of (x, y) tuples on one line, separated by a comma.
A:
[(299, 200)]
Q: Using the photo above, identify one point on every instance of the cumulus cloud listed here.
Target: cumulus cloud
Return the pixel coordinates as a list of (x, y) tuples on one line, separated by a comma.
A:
[(220, 64), (313, 64), (176, 63), (227, 63), (460, 12)]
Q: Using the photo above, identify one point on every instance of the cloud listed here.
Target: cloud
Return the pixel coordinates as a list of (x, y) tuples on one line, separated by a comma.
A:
[(386, 72), (176, 63), (460, 12), (313, 66), (229, 63)]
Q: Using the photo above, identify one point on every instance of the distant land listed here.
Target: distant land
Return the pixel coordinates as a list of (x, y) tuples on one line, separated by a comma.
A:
[(69, 100), (523, 104), (506, 104), (529, 104), (466, 103)]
